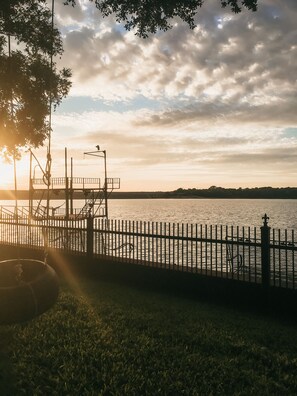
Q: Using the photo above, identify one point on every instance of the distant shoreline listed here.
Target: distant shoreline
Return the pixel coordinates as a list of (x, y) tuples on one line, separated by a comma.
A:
[(210, 193)]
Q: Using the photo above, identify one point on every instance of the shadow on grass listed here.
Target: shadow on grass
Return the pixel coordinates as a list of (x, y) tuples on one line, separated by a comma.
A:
[(279, 304), (107, 337), (7, 377)]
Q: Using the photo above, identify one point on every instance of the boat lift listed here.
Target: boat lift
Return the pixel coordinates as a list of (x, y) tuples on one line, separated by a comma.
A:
[(93, 191)]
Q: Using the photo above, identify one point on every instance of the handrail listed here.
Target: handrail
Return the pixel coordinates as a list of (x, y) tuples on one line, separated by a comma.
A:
[(113, 182), (60, 181)]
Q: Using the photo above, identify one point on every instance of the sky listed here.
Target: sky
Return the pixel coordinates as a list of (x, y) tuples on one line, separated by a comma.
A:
[(216, 105)]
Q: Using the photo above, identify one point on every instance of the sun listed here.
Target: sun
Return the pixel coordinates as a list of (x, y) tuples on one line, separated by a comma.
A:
[(7, 174)]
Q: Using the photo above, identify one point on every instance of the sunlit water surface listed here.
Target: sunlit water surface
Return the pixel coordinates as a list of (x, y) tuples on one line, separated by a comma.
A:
[(242, 212), (237, 212)]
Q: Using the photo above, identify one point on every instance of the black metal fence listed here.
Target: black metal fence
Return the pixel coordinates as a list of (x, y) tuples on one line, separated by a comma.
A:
[(257, 255)]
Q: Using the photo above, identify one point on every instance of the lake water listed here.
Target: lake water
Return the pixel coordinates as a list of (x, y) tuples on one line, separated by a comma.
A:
[(237, 212), (242, 212), (203, 248)]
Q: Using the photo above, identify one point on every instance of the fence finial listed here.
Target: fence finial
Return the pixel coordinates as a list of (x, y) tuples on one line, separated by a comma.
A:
[(265, 218)]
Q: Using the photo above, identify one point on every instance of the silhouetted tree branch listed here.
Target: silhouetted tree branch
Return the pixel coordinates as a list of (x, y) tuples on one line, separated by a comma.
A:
[(149, 16), (29, 80)]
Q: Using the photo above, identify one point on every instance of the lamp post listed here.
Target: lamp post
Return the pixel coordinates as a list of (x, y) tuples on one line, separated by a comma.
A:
[(102, 154)]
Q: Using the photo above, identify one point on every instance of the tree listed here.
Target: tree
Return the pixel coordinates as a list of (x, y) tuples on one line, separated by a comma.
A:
[(149, 16), (30, 82), (29, 79)]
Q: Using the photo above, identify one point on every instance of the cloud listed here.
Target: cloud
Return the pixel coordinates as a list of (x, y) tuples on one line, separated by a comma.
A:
[(154, 144), (247, 63), (280, 113), (225, 94)]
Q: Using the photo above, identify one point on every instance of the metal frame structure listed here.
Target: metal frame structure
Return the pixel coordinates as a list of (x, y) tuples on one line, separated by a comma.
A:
[(95, 192)]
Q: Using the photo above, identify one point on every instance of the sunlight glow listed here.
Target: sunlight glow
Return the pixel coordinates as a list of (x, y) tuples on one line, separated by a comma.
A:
[(7, 173)]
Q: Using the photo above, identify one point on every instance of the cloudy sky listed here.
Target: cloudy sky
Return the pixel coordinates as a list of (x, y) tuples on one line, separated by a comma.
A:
[(216, 105)]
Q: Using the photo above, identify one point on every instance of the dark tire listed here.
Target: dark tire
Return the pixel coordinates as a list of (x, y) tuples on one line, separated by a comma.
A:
[(27, 289)]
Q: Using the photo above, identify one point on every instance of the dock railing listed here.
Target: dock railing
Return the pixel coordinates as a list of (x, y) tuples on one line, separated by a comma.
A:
[(257, 255)]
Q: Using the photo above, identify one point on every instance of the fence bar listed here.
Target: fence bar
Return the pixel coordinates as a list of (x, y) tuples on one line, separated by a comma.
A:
[(265, 252), (221, 251)]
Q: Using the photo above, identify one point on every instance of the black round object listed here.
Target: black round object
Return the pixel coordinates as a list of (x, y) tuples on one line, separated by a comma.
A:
[(27, 289)]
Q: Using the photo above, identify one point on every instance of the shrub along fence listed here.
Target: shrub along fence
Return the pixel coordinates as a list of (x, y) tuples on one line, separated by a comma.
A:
[(256, 255)]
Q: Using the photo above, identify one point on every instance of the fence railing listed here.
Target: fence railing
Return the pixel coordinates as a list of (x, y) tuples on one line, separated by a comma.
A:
[(251, 254)]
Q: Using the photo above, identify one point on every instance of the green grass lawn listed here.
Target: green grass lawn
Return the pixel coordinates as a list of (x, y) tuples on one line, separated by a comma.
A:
[(112, 339)]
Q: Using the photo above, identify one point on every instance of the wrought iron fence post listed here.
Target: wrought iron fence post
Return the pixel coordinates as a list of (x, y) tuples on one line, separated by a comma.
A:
[(90, 238), (265, 251)]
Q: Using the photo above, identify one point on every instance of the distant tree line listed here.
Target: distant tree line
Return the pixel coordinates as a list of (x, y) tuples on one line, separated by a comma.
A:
[(211, 192), (220, 192)]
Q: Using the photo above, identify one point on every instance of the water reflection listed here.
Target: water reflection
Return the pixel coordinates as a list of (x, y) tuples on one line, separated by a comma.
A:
[(237, 212)]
